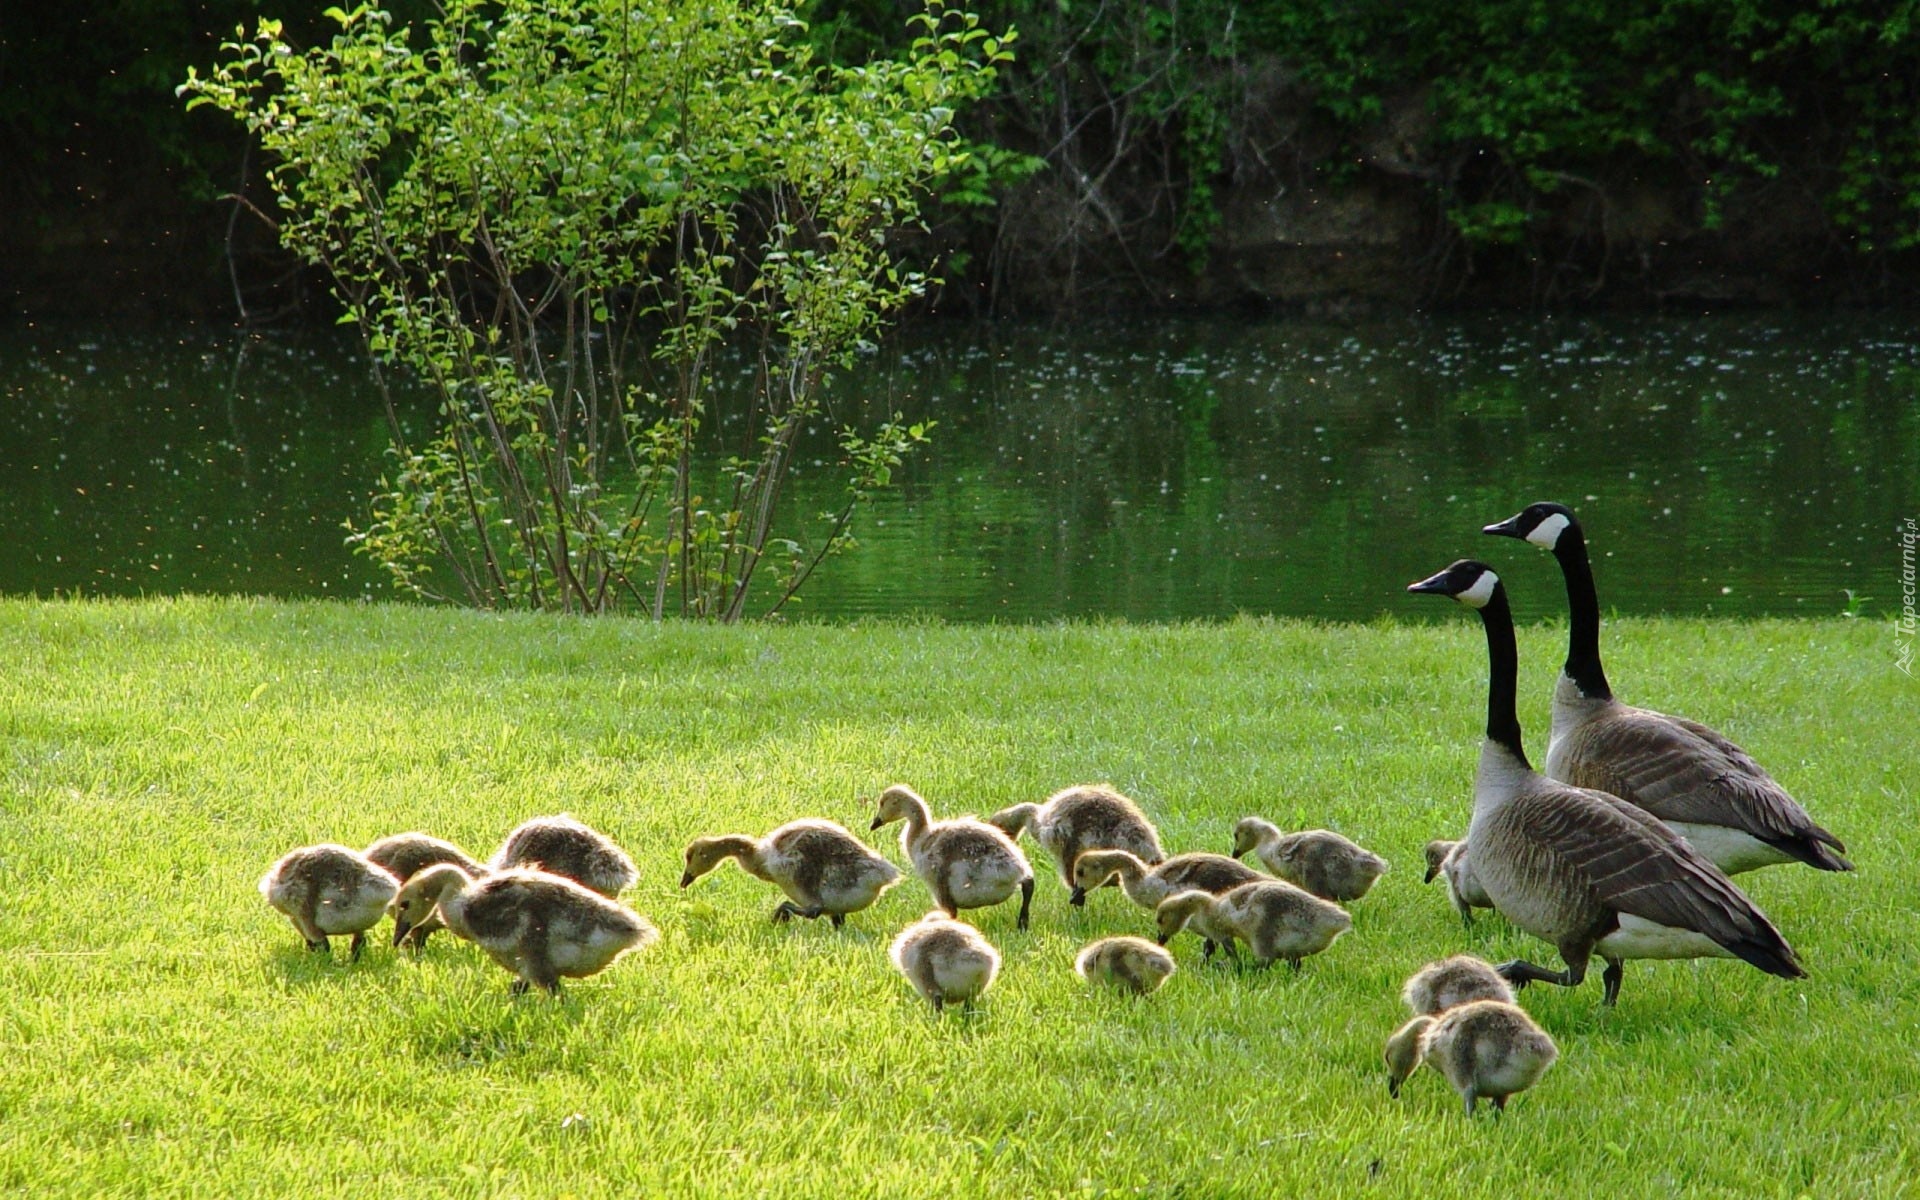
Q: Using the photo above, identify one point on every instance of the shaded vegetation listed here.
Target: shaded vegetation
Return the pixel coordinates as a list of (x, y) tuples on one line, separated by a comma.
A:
[(1612, 149)]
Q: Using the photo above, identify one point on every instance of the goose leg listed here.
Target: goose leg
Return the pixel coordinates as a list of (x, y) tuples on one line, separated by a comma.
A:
[(838, 919), (1026, 903), (786, 911), (353, 947), (1520, 973), (1610, 980), (519, 987)]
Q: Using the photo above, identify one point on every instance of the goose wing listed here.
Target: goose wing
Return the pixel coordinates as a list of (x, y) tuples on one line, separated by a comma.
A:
[(1681, 770), (1633, 864)]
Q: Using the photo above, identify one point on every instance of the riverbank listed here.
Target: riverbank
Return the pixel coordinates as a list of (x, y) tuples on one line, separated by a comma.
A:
[(166, 1033)]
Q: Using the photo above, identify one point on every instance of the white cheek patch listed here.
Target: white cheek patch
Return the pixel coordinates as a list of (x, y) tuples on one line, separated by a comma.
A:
[(1547, 533), (1481, 591)]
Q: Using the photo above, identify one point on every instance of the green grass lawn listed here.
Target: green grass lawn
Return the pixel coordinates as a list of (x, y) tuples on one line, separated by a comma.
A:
[(165, 1033)]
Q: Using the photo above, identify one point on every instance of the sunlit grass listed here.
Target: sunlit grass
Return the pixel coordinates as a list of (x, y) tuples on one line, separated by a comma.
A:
[(164, 1032)]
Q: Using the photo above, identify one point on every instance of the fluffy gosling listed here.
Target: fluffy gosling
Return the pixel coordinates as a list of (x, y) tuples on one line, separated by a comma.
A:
[(946, 961), (1128, 964), (1147, 885), (1275, 919), (327, 890), (408, 854), (1078, 819), (1448, 861), (1485, 1048), (1454, 981), (1319, 860), (560, 845), (537, 925), (823, 869), (966, 863)]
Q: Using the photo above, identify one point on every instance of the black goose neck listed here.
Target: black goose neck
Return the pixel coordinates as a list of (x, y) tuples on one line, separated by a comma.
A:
[(1503, 674), (1583, 616)]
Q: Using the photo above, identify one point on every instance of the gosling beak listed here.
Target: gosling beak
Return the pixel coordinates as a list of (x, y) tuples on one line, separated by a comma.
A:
[(401, 928), (1393, 1085), (1162, 939), (1234, 852), (1079, 897), (686, 880), (1432, 584), (877, 823), (1431, 872)]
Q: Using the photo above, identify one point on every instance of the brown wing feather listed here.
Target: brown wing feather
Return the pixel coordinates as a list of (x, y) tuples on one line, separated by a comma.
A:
[(1680, 770), (1633, 864)]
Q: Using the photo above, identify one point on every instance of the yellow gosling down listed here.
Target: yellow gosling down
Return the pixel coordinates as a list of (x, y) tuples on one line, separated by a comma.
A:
[(1148, 884), (1485, 1048), (560, 845), (1451, 982), (1274, 918), (824, 870), (535, 924), (1082, 818), (946, 961), (408, 854), (965, 862), (1319, 860), (1448, 861), (1127, 964), (327, 890)]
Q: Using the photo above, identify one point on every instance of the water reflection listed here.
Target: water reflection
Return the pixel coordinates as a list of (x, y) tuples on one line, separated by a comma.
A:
[(1179, 469)]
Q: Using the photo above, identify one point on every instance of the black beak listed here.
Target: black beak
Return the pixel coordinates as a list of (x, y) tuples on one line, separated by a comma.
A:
[(686, 880), (1433, 585), (1079, 897), (1507, 528), (877, 823), (1393, 1087), (400, 930), (1431, 872), (1233, 853), (1162, 939)]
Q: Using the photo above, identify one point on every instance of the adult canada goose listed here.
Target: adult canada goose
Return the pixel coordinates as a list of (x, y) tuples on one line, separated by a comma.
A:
[(1274, 918), (1319, 860), (563, 846), (1584, 869), (1702, 785), (1484, 1048), (406, 855), (1441, 985), (1079, 819), (966, 863), (823, 869), (946, 961), (1147, 885), (1130, 964), (538, 925), (1449, 861), (327, 890)]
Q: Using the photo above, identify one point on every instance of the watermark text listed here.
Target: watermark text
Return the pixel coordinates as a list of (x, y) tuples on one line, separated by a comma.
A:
[(1905, 624)]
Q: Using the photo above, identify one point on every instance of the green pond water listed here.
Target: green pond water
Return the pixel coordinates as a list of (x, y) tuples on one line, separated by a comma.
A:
[(1752, 465)]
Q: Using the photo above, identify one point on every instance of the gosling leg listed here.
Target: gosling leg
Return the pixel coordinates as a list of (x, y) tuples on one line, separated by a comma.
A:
[(838, 919), (353, 947), (1026, 903)]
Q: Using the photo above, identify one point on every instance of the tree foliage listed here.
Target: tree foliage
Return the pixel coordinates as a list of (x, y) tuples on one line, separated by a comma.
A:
[(563, 215)]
